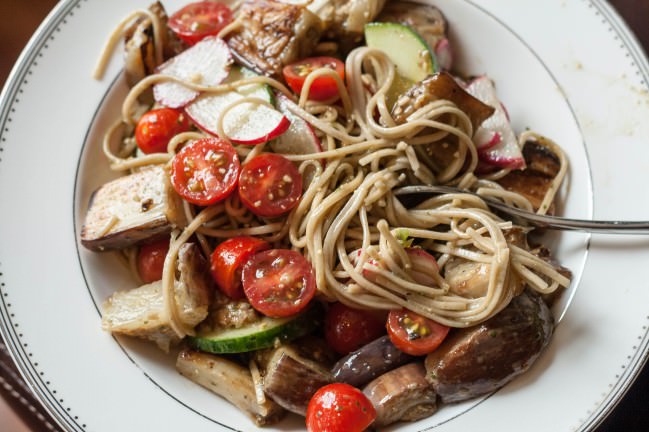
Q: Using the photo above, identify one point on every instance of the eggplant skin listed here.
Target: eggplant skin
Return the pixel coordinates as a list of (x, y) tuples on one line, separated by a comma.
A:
[(402, 394), (291, 380), (368, 362), (478, 360), (436, 87)]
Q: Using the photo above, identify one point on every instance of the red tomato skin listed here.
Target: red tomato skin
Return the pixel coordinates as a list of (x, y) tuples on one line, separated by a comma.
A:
[(323, 88), (215, 186), (339, 408), (228, 259), (420, 346), (210, 18), (348, 329), (150, 260), (278, 282), (157, 127), (265, 176)]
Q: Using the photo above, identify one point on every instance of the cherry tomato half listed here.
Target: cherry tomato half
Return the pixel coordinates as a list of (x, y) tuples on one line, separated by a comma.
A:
[(278, 282), (205, 171), (322, 88), (339, 408), (228, 260), (151, 259), (348, 329), (270, 185), (156, 128), (199, 20), (414, 334)]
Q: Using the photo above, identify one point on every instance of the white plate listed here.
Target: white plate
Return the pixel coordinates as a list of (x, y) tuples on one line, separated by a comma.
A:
[(568, 69)]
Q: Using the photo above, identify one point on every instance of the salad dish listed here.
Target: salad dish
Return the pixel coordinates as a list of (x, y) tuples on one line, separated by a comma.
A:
[(261, 146)]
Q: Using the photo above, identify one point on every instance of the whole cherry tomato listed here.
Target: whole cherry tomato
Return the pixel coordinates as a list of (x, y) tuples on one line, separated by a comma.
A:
[(151, 259), (339, 408), (348, 329), (157, 127)]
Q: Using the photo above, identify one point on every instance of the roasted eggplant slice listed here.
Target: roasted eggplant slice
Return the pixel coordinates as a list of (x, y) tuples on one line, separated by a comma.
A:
[(132, 209), (291, 380), (273, 34), (402, 394), (139, 47), (533, 182), (140, 312), (344, 20), (363, 365), (426, 20), (230, 381), (436, 87), (478, 360)]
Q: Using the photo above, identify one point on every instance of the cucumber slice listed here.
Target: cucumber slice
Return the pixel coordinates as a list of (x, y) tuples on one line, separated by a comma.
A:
[(265, 333), (246, 123), (408, 51)]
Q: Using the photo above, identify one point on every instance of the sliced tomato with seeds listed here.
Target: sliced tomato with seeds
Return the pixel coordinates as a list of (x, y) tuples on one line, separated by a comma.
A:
[(339, 408), (270, 185), (151, 259), (205, 172), (324, 87), (199, 20), (278, 282), (157, 127), (227, 262), (414, 334)]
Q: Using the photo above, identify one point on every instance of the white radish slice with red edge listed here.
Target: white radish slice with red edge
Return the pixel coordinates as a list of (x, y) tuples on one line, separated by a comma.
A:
[(444, 54), (299, 138), (495, 140), (207, 63), (246, 123)]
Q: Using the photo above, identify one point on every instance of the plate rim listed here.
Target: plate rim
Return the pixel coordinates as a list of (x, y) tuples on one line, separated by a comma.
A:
[(9, 97)]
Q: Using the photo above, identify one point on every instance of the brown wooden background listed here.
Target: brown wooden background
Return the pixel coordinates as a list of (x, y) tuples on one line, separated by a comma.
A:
[(18, 20)]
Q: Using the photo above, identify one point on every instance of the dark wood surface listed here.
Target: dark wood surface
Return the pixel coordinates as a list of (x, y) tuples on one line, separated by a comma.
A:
[(20, 19)]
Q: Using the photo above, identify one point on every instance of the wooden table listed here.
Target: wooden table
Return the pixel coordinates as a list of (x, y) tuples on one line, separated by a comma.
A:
[(631, 415)]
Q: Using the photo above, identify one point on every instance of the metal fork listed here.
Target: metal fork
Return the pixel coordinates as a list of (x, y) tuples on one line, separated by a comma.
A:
[(533, 219)]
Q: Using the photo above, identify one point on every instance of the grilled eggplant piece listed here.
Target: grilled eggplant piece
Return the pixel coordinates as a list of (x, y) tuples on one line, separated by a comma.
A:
[(140, 312), (230, 381), (478, 360), (363, 365), (132, 209), (426, 20), (344, 20), (273, 34), (533, 183), (139, 47), (436, 87), (402, 394), (291, 380)]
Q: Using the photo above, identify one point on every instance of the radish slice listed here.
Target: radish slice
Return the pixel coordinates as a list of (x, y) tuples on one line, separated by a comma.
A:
[(247, 123), (300, 138), (206, 63), (504, 153), (444, 54), (419, 258)]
